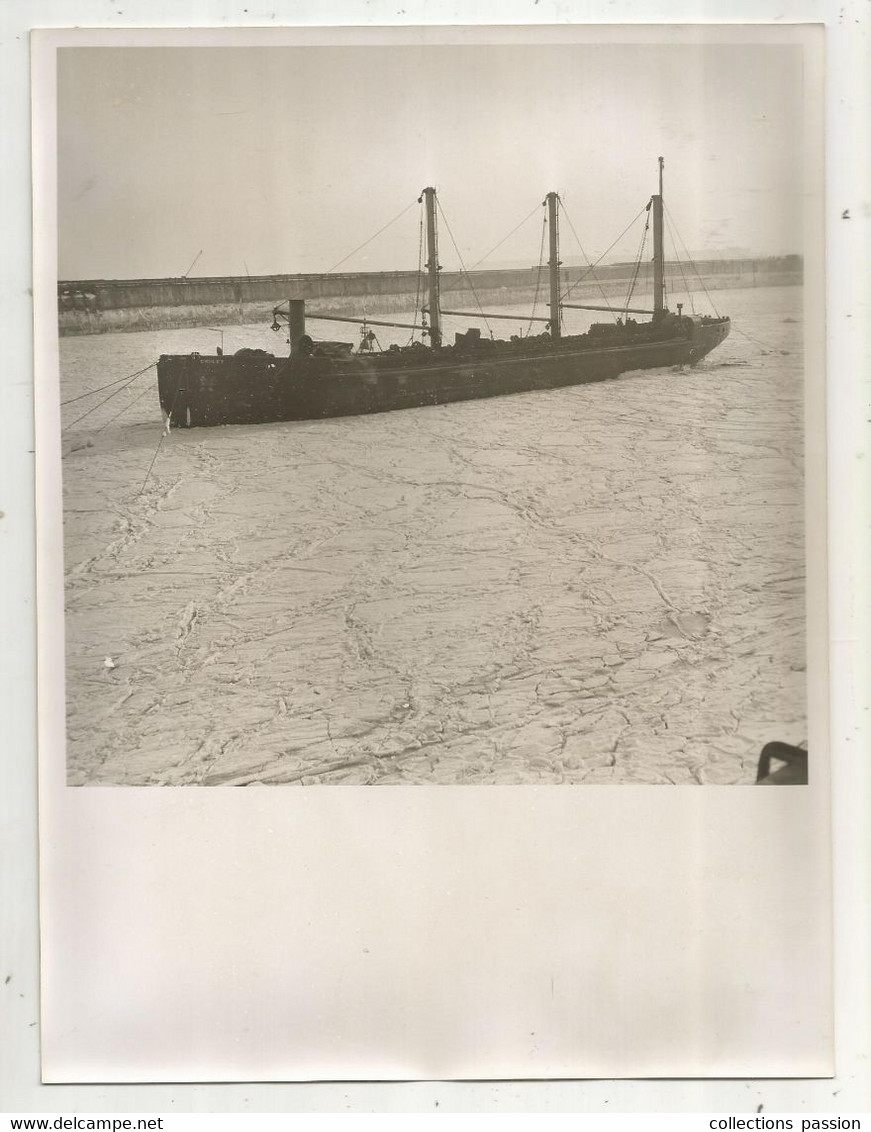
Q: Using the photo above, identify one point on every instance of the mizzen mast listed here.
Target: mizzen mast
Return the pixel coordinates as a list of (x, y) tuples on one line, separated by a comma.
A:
[(552, 202), (658, 257)]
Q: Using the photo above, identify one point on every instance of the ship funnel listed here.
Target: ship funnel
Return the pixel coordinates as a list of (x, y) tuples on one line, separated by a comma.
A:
[(295, 323)]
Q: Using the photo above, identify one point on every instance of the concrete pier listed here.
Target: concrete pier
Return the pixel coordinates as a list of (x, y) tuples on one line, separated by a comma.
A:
[(99, 305)]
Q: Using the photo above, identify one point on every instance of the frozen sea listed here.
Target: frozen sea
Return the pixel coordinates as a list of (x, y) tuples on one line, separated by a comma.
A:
[(596, 585)]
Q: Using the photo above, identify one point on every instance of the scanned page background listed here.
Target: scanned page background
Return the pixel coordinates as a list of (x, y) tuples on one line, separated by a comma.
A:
[(444, 932)]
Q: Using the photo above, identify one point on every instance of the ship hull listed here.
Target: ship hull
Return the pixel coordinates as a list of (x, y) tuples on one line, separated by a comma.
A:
[(205, 390)]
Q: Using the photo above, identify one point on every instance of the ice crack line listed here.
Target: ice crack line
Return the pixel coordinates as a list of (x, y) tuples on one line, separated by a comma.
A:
[(185, 624), (652, 578)]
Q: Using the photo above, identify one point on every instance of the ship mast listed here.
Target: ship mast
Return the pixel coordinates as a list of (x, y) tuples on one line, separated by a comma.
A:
[(432, 266), (552, 202), (658, 258)]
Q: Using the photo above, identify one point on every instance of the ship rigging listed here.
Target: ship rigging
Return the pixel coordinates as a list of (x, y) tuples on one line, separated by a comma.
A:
[(328, 379), (432, 313)]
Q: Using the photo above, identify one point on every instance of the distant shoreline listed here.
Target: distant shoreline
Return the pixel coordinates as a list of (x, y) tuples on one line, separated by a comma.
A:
[(120, 306)]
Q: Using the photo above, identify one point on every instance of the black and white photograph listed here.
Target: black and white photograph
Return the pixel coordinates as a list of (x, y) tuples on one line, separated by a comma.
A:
[(432, 414)]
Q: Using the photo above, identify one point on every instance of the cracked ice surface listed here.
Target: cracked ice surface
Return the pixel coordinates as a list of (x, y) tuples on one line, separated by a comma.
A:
[(602, 584)]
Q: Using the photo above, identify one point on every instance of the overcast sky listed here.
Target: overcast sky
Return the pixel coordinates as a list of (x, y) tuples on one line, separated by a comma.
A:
[(285, 159)]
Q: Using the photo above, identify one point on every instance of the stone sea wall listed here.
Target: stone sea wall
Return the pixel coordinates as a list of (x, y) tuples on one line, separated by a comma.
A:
[(99, 306)]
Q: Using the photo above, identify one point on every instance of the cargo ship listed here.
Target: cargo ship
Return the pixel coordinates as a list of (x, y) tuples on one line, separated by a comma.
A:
[(333, 379)]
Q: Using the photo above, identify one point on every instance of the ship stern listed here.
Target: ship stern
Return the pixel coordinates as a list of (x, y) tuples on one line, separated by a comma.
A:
[(172, 378)]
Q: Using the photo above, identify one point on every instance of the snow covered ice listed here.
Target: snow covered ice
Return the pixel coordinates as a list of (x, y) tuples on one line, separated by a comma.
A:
[(602, 584)]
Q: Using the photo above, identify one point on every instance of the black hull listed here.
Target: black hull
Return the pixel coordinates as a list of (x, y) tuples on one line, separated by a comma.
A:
[(202, 390)]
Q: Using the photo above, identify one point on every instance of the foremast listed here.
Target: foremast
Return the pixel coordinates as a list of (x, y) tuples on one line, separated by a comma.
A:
[(428, 196)]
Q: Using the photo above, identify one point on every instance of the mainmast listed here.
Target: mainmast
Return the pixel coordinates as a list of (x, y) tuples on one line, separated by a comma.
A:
[(432, 266), (552, 201), (658, 258)]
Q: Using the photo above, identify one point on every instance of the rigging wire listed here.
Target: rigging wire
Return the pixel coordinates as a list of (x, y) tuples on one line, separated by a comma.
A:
[(691, 262), (462, 323), (577, 282), (505, 238), (679, 263), (637, 268), (417, 309), (398, 216), (538, 275), (107, 399), (465, 271), (117, 381), (587, 258)]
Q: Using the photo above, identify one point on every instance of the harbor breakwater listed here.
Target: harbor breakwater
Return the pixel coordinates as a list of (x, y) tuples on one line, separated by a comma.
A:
[(100, 306)]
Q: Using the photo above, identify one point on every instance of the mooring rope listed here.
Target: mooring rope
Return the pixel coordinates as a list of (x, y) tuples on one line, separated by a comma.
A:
[(164, 433), (130, 405), (759, 342), (106, 400), (117, 381)]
